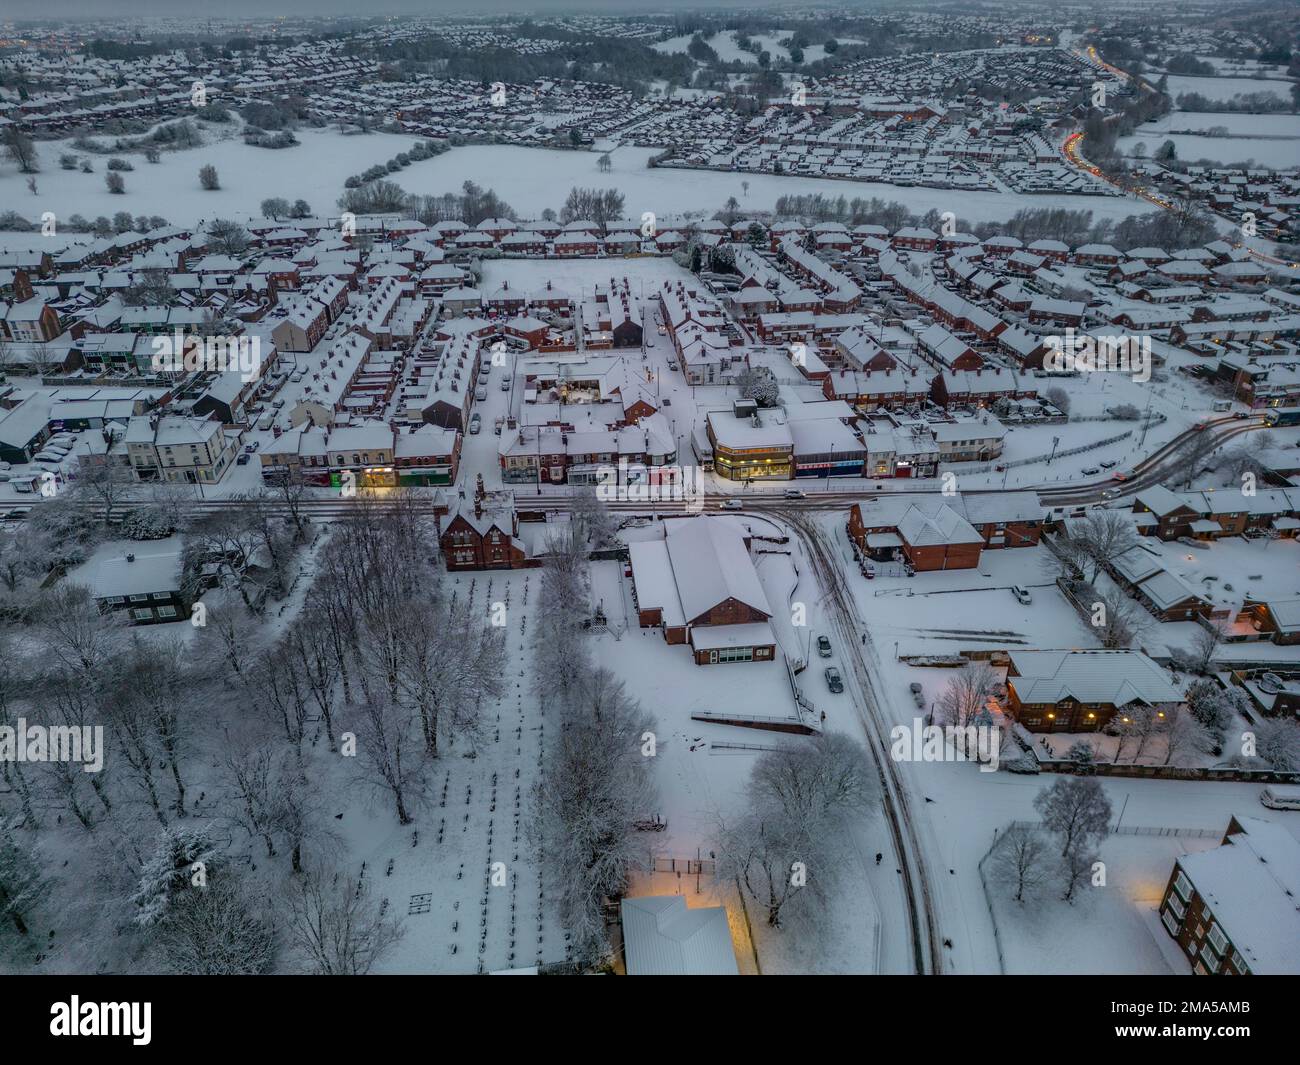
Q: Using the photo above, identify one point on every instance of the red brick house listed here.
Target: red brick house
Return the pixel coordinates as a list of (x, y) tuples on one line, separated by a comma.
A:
[(699, 585), (474, 538)]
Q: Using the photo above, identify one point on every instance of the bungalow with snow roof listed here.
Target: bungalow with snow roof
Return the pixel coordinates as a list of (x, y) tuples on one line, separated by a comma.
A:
[(1081, 691), (699, 585), (924, 530), (144, 583)]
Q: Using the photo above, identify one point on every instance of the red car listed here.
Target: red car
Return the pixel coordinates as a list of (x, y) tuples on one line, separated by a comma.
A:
[(1119, 475)]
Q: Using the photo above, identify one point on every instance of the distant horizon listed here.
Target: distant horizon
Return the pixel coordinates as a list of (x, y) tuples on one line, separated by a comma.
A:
[(199, 10)]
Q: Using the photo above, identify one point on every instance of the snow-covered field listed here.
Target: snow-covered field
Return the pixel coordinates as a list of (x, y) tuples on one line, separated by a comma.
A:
[(313, 170), (1280, 154), (1225, 88), (531, 180)]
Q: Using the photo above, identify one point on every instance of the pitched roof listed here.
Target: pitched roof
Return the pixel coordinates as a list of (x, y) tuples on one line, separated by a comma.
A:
[(662, 937), (711, 564), (1114, 677)]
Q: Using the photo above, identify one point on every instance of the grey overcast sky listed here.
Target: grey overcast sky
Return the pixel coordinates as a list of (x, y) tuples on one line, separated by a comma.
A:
[(19, 9)]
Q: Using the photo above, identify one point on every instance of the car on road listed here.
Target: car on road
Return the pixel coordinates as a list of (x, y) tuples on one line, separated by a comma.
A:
[(793, 493), (732, 504), (505, 384), (824, 646), (1119, 475), (243, 459), (672, 366), (475, 424), (1022, 594), (1090, 471), (833, 680)]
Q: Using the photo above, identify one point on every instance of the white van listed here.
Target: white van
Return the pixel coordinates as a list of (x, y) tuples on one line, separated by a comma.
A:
[(266, 421), (1281, 796)]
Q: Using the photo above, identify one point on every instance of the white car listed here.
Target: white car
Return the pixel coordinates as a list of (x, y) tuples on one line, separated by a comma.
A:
[(732, 504), (1022, 594)]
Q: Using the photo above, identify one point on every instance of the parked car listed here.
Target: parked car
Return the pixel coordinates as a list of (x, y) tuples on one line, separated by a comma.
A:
[(1091, 471), (869, 571), (732, 504), (475, 424), (243, 459), (833, 680), (793, 493), (1022, 594), (1108, 464), (824, 646), (672, 366)]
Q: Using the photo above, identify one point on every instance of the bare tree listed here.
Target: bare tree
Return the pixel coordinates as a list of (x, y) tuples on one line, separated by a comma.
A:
[(1119, 621), (563, 605), (592, 520), (595, 785), (389, 739), (1186, 738), (105, 485), (966, 694), (785, 849), (1138, 722), (1205, 643), (230, 538), (1101, 535), (218, 931), (1076, 866), (438, 660), (1192, 458), (21, 881), (1076, 810), (333, 921), (19, 148), (1021, 858), (1278, 744), (1060, 399)]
